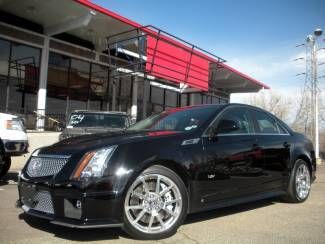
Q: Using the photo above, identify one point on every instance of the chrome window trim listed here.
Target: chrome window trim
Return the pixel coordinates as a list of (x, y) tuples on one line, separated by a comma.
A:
[(236, 134), (272, 134), (249, 134), (204, 134)]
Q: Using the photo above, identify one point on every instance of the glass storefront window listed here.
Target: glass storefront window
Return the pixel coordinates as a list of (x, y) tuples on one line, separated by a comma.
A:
[(126, 86), (58, 75), (215, 100), (4, 59), (184, 99), (204, 99), (98, 87), (124, 94), (57, 85), (75, 84), (196, 99), (157, 108), (171, 99), (157, 95), (79, 79), (25, 63)]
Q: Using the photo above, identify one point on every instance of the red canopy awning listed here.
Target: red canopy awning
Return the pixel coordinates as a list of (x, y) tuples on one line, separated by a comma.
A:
[(174, 60)]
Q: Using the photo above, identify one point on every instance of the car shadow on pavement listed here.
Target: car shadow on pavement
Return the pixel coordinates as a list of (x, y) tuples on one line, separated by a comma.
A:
[(222, 212), (9, 178), (87, 235)]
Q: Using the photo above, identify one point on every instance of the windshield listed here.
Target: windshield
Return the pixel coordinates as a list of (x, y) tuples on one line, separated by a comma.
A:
[(183, 119), (97, 120)]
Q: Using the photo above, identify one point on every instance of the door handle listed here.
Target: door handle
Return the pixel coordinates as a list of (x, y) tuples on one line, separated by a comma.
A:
[(255, 146), (286, 144)]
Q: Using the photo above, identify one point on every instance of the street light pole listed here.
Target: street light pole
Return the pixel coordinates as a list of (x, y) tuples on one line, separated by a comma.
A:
[(312, 41), (316, 103)]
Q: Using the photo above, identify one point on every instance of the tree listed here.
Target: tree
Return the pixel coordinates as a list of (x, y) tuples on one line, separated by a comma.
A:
[(303, 114), (295, 111), (276, 104)]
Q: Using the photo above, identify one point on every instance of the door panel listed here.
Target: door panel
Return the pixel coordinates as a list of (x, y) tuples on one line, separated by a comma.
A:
[(276, 155), (232, 168), (232, 164), (275, 143)]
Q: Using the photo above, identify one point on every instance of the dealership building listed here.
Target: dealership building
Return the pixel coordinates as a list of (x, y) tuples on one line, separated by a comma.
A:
[(57, 56)]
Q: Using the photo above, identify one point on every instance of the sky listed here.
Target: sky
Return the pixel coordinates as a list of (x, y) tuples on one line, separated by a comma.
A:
[(258, 37)]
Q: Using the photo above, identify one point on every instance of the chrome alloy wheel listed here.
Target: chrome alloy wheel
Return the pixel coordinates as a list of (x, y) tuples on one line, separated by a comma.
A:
[(153, 203), (302, 181)]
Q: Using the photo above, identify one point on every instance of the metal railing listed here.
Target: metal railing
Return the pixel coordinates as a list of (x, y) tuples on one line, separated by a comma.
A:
[(137, 37)]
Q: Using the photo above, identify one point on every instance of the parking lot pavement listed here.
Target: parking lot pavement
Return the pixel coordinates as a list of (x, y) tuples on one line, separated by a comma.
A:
[(269, 221)]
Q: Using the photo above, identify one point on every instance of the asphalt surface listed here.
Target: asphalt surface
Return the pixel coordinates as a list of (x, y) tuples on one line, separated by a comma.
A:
[(267, 221)]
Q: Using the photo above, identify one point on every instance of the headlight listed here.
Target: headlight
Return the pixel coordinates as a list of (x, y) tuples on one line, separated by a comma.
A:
[(94, 163), (14, 125)]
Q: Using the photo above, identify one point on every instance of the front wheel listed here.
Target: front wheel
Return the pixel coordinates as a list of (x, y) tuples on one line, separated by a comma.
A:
[(155, 204), (299, 183)]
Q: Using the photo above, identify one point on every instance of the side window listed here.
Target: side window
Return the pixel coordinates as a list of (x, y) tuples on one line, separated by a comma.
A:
[(265, 124), (234, 121), (282, 130)]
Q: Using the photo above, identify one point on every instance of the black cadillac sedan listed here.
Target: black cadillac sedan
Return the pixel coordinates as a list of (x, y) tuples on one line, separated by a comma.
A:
[(147, 178)]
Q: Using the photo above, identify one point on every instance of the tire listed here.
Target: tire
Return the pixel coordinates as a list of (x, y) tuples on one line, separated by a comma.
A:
[(5, 163), (299, 192), (155, 211)]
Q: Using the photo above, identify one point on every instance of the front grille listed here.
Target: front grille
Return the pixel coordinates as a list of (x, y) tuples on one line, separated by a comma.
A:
[(37, 200), (42, 166)]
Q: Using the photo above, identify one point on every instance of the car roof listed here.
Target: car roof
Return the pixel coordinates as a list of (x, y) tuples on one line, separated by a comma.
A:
[(229, 105), (100, 112), (226, 105), (218, 106)]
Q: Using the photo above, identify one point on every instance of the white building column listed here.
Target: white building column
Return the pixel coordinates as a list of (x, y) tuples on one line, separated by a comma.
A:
[(41, 95), (134, 107)]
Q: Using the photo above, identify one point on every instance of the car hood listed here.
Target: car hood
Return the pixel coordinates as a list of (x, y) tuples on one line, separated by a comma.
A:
[(94, 141), (7, 116), (69, 132)]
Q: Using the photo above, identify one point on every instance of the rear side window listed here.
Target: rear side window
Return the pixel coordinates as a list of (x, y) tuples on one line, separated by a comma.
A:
[(282, 130), (234, 121), (265, 124)]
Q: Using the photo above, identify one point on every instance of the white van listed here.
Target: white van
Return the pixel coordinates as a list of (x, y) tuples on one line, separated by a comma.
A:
[(13, 140)]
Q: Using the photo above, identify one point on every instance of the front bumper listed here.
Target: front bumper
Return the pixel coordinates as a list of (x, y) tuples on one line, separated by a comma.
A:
[(71, 207), (15, 148)]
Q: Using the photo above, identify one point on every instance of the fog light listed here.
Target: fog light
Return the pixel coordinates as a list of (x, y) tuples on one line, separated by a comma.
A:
[(72, 208), (78, 204)]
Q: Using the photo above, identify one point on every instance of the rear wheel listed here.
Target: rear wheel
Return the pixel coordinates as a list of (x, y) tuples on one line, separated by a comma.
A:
[(155, 204), (299, 184), (5, 163)]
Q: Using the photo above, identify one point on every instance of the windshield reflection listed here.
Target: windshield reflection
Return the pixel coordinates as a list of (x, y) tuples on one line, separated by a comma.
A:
[(178, 119)]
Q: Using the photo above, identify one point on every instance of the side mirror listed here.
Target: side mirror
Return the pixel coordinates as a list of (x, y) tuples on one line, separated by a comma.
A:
[(226, 126)]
